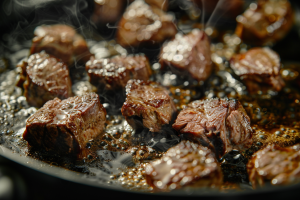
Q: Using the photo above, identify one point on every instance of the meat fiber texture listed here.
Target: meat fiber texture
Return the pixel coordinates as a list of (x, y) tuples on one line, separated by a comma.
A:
[(188, 55), (144, 25), (186, 164), (45, 78), (259, 68), (275, 165), (65, 126), (220, 124), (265, 22), (113, 74), (62, 42), (147, 105)]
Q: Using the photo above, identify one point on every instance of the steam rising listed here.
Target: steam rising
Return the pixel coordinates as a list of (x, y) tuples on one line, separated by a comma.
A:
[(71, 13), (221, 8), (32, 13)]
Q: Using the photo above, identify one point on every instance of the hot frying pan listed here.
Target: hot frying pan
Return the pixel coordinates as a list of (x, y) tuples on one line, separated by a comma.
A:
[(34, 179)]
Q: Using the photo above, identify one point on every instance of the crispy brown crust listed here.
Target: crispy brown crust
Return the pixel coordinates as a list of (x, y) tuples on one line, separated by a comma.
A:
[(188, 54), (46, 78), (150, 103), (143, 24), (62, 42), (65, 126), (220, 124), (259, 68), (113, 74), (186, 164)]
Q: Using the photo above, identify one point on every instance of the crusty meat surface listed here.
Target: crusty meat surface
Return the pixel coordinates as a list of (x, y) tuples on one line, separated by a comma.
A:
[(65, 126), (266, 21), (112, 74), (143, 24), (188, 54), (61, 41), (220, 124), (275, 165), (186, 164), (46, 78), (149, 104), (259, 68)]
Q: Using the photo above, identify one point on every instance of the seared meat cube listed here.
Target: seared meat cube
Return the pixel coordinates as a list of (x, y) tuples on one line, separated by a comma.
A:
[(61, 41), (147, 105), (107, 11), (188, 54), (46, 78), (266, 21), (185, 164), (65, 126), (220, 124), (276, 165), (259, 68), (142, 24), (112, 74)]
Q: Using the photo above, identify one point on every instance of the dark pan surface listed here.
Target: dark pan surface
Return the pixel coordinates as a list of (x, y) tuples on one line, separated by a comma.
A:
[(15, 43)]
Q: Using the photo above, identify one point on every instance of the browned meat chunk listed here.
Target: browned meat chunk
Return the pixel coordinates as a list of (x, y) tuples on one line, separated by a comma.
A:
[(142, 24), (61, 41), (147, 104), (221, 124), (266, 21), (185, 164), (112, 74), (46, 78), (188, 54), (276, 165), (65, 126), (259, 68), (107, 11)]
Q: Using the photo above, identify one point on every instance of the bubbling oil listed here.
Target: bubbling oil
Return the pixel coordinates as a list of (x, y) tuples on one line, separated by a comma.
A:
[(120, 154)]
